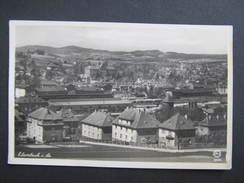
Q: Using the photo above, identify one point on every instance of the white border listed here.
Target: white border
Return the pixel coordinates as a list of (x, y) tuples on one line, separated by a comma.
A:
[(116, 164)]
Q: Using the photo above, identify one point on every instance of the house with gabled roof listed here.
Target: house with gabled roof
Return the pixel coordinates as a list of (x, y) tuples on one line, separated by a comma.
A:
[(176, 132), (72, 127), (213, 129), (97, 126), (135, 126), (44, 125)]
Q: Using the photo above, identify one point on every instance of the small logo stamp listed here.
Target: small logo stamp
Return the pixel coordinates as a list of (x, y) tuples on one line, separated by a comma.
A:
[(217, 155)]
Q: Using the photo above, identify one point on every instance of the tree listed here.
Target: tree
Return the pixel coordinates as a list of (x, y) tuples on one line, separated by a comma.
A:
[(49, 75), (40, 52), (104, 65)]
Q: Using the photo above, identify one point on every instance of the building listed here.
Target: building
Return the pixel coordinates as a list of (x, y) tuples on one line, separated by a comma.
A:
[(48, 84), (222, 89), (72, 128), (97, 126), (135, 126), (44, 125), (28, 104), (212, 130), (176, 132), (92, 71), (89, 105), (51, 92), (199, 92), (72, 91), (20, 90)]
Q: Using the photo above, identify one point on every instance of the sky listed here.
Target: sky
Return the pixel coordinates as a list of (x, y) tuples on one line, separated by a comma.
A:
[(125, 37)]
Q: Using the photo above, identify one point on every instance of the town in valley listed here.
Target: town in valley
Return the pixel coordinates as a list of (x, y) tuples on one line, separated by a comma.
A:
[(142, 105)]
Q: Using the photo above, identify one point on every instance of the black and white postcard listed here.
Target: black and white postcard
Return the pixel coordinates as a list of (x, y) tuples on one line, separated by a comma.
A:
[(122, 95)]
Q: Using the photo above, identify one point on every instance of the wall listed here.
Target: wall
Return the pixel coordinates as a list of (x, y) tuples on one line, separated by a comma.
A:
[(125, 134), (107, 133), (34, 130), (52, 133), (91, 132), (19, 92), (147, 136), (163, 141)]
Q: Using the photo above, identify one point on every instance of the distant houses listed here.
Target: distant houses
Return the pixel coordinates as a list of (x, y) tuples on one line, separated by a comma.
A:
[(48, 84), (28, 104), (20, 90)]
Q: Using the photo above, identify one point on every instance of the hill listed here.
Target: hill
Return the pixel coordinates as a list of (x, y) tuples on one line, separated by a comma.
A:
[(137, 55)]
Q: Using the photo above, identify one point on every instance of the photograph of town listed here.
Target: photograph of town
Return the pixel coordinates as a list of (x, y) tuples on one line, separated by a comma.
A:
[(115, 92)]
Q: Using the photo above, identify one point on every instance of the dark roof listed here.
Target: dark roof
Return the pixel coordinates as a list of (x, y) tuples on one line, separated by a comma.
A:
[(50, 89), (177, 122), (52, 64), (139, 118), (50, 123), (45, 114), (69, 116), (128, 114), (80, 102), (213, 122), (85, 88), (99, 118), (29, 99)]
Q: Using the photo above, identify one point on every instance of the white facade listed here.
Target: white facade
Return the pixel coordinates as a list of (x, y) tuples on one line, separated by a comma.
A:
[(19, 92), (123, 133), (222, 90), (91, 132), (34, 130), (163, 134)]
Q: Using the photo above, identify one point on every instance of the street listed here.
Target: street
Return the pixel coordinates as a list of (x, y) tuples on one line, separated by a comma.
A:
[(100, 152)]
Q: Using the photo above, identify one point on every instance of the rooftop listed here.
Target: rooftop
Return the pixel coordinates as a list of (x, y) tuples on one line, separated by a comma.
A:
[(80, 102), (213, 122), (68, 116), (177, 122), (139, 118), (29, 99), (50, 89), (45, 114), (99, 118)]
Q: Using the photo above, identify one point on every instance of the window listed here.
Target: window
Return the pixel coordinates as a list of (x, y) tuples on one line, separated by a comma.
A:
[(120, 135)]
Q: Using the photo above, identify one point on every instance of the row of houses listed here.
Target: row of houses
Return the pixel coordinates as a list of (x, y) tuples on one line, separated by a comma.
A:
[(133, 126)]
